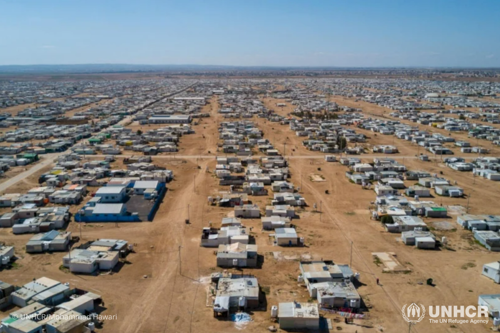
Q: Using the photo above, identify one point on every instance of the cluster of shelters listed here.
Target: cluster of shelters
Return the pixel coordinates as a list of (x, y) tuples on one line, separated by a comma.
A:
[(234, 293), (46, 305), (30, 218), (241, 137), (402, 213), (123, 200), (51, 241), (51, 138), (179, 109), (331, 284), (6, 255), (70, 167), (99, 255), (152, 141), (487, 167), (328, 136), (485, 229), (236, 104), (408, 99)]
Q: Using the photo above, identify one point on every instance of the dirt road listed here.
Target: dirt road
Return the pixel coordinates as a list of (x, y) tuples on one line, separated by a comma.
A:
[(45, 160)]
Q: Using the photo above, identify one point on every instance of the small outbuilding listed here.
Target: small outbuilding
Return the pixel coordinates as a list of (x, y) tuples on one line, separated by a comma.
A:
[(286, 237), (492, 271), (298, 316)]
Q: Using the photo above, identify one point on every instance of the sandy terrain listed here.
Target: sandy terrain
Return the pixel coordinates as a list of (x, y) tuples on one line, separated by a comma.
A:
[(162, 287)]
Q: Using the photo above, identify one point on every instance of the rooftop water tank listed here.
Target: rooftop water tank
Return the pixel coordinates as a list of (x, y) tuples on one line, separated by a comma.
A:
[(274, 311)]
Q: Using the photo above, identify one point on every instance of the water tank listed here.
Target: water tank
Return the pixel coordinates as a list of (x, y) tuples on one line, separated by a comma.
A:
[(300, 278), (274, 311), (91, 326), (5, 260), (235, 262), (352, 303), (496, 321), (302, 240), (444, 240), (416, 197), (357, 276), (131, 247), (242, 302)]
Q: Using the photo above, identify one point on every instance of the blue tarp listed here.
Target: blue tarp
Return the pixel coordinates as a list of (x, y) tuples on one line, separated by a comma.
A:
[(241, 317)]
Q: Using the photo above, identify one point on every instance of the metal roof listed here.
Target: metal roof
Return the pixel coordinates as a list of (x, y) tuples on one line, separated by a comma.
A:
[(298, 310), (25, 325), (236, 287), (146, 184), (103, 208), (51, 235), (110, 190), (285, 233)]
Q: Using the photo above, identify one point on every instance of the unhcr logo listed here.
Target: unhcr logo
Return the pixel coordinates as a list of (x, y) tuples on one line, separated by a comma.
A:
[(414, 313)]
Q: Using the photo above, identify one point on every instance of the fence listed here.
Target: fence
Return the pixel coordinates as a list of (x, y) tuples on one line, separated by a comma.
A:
[(157, 203), (109, 218)]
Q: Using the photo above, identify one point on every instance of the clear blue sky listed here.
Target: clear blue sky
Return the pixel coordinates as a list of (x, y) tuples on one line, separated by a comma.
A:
[(252, 32)]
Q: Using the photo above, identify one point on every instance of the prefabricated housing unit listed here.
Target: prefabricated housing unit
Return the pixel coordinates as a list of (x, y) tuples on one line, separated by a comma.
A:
[(492, 271), (298, 316), (286, 237)]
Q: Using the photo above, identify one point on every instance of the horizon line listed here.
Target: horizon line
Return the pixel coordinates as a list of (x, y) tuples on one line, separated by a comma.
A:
[(258, 66)]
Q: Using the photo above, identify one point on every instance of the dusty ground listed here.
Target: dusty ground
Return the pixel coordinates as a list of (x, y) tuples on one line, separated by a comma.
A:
[(13, 171), (163, 285)]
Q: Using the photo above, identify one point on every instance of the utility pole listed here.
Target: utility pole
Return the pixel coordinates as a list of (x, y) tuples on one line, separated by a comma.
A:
[(320, 210), (301, 181), (350, 261), (180, 262), (69, 251), (468, 199)]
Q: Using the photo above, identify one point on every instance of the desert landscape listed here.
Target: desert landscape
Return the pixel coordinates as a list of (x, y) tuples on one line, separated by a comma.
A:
[(165, 283)]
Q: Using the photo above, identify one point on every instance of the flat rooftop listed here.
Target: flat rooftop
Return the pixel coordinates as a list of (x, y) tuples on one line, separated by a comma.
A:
[(298, 310)]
